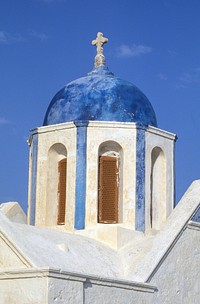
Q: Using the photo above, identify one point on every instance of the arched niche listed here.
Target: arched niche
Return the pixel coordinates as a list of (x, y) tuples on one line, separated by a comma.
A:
[(158, 188), (110, 192), (56, 185)]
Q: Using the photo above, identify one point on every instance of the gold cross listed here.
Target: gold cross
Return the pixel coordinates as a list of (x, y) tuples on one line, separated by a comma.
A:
[(99, 42)]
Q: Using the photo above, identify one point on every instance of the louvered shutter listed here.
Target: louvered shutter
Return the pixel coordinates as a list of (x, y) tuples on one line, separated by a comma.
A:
[(62, 166), (108, 190)]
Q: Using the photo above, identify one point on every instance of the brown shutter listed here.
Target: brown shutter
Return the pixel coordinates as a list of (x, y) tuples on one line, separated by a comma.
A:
[(62, 166), (108, 190)]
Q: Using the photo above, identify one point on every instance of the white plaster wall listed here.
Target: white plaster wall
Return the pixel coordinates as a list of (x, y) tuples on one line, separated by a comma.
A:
[(178, 277), (171, 263), (30, 143), (14, 212), (97, 294), (8, 258), (142, 259), (125, 135), (164, 140), (62, 291), (54, 287), (33, 143), (64, 134), (23, 290)]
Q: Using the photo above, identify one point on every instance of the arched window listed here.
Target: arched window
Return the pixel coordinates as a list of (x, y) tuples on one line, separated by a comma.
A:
[(109, 207), (56, 185), (158, 188), (62, 168)]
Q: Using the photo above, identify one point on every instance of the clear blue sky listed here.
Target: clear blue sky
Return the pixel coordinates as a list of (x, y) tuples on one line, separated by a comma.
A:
[(46, 43)]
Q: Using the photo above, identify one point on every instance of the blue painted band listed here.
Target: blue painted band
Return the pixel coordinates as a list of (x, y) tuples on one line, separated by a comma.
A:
[(80, 174), (33, 178), (140, 178), (81, 123)]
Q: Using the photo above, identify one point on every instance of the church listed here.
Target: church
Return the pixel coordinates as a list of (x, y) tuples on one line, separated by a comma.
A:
[(102, 226)]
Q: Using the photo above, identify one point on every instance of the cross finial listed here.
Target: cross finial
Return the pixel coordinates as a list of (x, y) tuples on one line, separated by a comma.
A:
[(99, 42)]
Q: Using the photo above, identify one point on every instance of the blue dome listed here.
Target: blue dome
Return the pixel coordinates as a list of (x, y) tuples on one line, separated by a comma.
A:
[(100, 96)]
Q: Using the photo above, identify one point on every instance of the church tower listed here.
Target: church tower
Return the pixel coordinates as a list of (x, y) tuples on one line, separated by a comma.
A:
[(100, 165)]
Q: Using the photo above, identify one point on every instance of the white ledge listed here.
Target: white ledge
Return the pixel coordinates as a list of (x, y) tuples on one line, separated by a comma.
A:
[(104, 124), (162, 133), (9, 274), (194, 225), (52, 128)]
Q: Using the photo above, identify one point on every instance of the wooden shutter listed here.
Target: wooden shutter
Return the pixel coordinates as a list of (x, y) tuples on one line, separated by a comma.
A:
[(62, 167), (108, 190)]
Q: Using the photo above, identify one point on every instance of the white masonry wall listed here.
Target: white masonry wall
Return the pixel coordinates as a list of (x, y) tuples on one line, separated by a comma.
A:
[(107, 134), (159, 176), (46, 195), (108, 137), (178, 277), (16, 287), (40, 286)]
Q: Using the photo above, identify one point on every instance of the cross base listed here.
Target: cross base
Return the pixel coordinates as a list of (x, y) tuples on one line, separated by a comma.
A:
[(99, 60)]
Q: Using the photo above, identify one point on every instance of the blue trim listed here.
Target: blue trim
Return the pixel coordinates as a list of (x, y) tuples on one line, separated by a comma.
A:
[(140, 178), (80, 174), (33, 178), (196, 216)]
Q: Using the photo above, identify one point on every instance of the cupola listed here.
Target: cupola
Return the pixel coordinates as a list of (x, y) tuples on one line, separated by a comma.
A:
[(99, 165)]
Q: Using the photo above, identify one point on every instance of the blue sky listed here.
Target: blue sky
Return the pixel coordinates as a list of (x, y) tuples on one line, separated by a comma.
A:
[(44, 44)]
